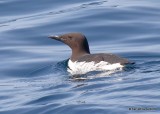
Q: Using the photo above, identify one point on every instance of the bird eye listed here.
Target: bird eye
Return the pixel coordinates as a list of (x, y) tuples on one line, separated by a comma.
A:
[(70, 37)]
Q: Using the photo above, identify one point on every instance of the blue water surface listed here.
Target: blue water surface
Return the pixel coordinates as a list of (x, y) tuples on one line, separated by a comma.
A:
[(33, 74)]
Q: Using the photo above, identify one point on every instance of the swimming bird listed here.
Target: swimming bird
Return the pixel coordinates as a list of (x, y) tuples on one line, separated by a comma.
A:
[(82, 61)]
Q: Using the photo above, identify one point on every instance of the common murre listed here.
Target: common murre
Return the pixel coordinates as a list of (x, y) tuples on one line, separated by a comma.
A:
[(81, 61)]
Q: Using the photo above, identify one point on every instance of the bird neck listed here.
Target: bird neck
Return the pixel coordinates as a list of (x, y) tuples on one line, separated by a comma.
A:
[(76, 54)]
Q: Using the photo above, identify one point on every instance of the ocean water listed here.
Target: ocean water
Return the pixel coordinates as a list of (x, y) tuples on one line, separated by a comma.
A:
[(33, 75)]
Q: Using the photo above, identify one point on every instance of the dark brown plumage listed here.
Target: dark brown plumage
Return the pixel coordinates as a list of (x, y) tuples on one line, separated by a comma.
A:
[(80, 50)]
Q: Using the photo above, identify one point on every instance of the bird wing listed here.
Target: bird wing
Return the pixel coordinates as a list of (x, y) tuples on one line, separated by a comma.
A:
[(110, 58)]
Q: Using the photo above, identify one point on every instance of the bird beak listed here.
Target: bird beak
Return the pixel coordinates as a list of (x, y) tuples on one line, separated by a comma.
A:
[(55, 37)]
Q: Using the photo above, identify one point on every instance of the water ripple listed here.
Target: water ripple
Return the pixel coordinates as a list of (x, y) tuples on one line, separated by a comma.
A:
[(33, 68)]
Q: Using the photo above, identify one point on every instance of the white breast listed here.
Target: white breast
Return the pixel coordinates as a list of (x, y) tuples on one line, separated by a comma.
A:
[(85, 67)]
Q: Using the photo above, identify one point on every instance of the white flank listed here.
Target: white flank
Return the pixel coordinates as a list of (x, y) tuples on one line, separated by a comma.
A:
[(85, 67)]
